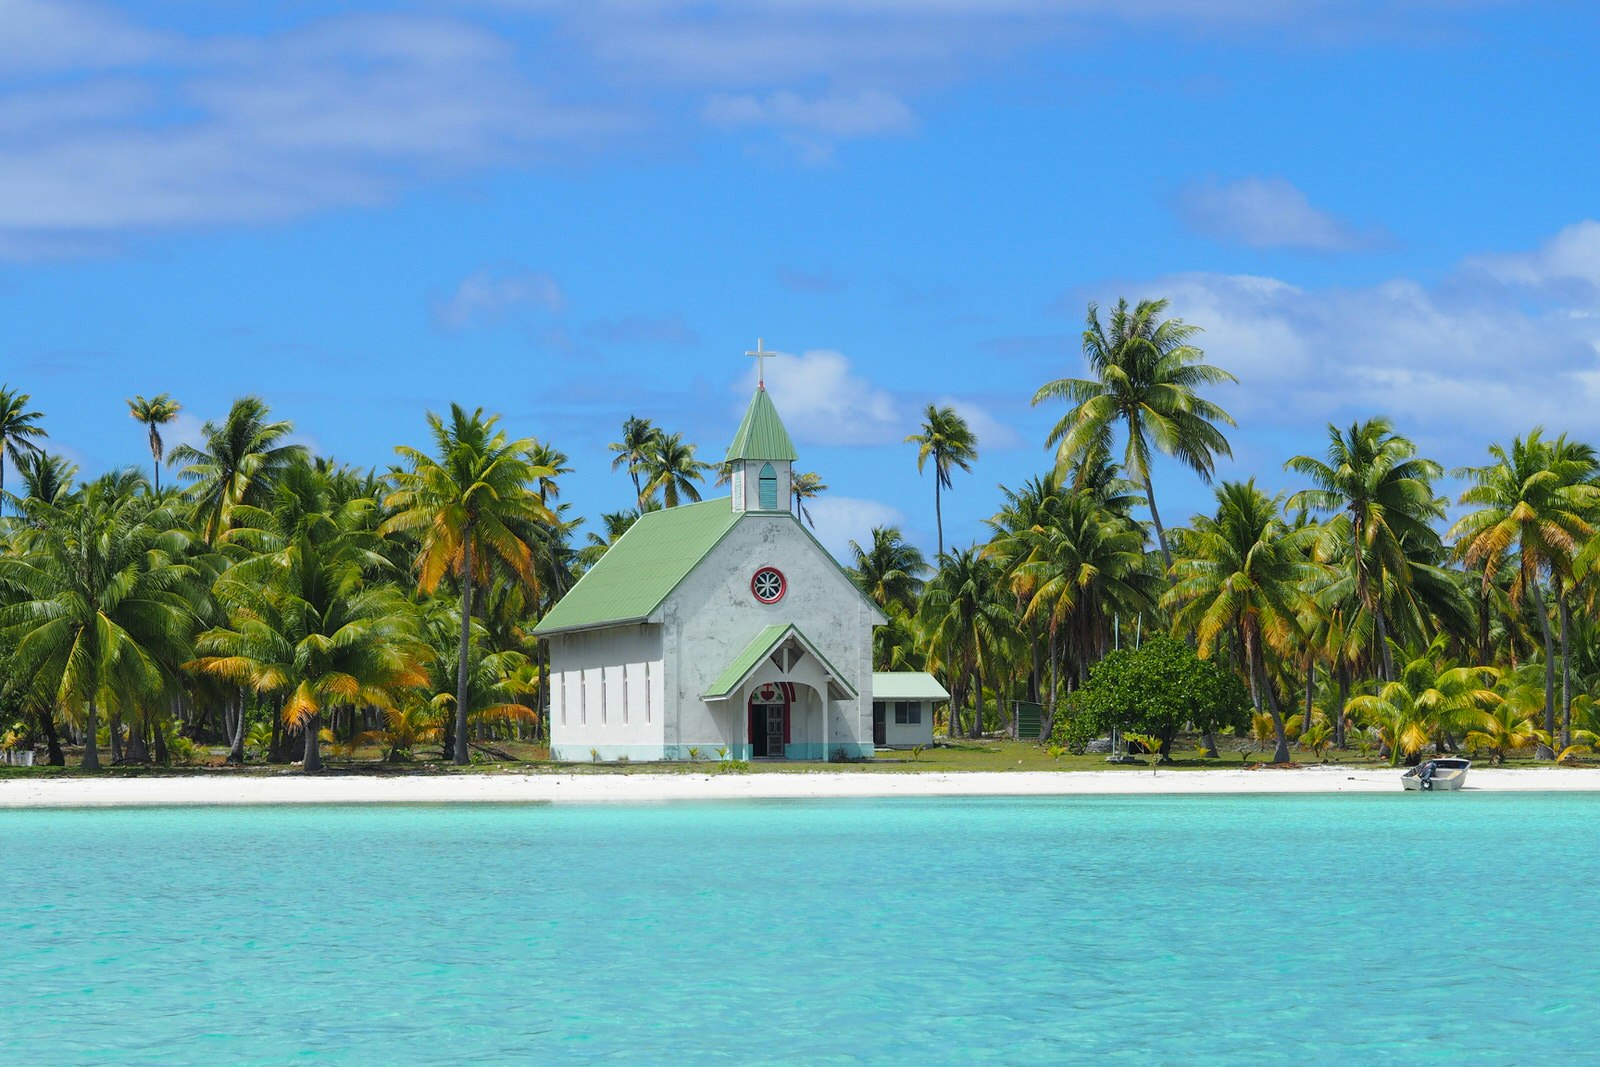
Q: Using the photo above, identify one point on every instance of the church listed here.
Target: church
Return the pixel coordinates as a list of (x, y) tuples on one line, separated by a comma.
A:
[(723, 629)]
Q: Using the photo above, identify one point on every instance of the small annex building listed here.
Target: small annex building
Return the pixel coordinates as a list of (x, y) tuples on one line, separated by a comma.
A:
[(902, 708), (719, 626)]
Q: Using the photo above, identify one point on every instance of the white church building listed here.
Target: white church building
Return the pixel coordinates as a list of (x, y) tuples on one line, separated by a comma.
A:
[(718, 626)]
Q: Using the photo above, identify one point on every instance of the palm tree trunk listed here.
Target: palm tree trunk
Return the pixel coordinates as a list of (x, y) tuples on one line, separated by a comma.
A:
[(1344, 698), (313, 755), (1544, 751), (1385, 658), (1155, 518), (159, 737), (977, 704), (1258, 681), (1566, 669), (236, 749), (115, 735), (91, 746), (938, 512), (460, 756), (52, 740), (138, 751), (1311, 691), (1055, 682)]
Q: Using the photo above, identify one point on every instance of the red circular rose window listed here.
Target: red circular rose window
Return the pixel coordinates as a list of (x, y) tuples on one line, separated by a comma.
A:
[(768, 585)]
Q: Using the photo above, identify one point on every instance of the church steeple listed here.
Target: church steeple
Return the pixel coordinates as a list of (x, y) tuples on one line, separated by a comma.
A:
[(761, 455)]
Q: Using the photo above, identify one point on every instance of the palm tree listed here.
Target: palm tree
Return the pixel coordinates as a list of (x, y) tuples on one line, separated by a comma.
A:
[(316, 636), (1242, 572), (555, 460), (236, 463), (471, 501), (672, 469), (1146, 376), (807, 486), (1432, 696), (1374, 477), (155, 414), (20, 431), (1534, 502), (596, 545), (46, 477), (966, 621), (949, 442), (638, 435), (890, 571), (1082, 561), (104, 610)]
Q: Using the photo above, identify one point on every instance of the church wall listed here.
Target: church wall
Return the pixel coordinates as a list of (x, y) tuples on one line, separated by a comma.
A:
[(712, 616), (607, 693)]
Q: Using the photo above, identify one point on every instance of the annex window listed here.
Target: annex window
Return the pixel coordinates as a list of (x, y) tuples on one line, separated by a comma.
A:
[(907, 713), (769, 488)]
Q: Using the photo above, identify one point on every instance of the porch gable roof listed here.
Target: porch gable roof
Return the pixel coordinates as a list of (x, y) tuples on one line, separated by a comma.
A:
[(763, 645)]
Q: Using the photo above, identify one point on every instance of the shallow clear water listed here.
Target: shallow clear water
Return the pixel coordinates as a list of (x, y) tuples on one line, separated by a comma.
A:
[(1340, 929)]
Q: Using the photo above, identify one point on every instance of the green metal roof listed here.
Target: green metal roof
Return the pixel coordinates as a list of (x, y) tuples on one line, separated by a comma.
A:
[(646, 564), (761, 435), (759, 649), (907, 685)]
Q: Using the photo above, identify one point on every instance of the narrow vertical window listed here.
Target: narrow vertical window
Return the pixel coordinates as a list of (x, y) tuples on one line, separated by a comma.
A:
[(647, 691), (605, 686), (583, 698), (769, 488), (625, 688)]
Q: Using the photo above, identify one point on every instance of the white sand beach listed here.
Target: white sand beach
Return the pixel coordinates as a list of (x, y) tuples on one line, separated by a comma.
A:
[(600, 788)]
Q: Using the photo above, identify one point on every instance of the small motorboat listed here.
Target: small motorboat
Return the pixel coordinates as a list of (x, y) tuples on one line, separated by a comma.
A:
[(1446, 773)]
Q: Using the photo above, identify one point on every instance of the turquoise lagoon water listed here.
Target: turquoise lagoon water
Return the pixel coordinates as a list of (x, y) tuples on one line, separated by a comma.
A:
[(1194, 930)]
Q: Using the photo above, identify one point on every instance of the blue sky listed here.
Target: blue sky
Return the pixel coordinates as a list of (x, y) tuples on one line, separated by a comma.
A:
[(573, 212)]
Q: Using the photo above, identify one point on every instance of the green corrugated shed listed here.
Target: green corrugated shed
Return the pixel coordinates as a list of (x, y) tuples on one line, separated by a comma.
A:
[(758, 649), (761, 435), (647, 563)]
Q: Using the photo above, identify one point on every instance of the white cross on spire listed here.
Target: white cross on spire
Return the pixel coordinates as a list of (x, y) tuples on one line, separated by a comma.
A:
[(761, 354)]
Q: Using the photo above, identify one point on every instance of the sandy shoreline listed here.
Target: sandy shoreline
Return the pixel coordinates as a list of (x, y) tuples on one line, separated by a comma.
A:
[(655, 788)]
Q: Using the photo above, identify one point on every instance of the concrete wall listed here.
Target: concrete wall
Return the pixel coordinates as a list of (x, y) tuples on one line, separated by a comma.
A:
[(607, 693), (908, 735), (712, 617)]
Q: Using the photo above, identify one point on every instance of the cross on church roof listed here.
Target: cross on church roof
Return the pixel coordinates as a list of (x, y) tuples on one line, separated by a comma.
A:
[(761, 355)]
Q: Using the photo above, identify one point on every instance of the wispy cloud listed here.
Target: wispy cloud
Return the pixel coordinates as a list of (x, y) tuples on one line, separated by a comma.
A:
[(487, 296), (1267, 213), (114, 127), (642, 329), (842, 519), (800, 281), (1504, 343)]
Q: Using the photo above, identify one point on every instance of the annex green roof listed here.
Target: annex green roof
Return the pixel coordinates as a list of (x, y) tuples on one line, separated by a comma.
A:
[(907, 685), (645, 565), (762, 646), (761, 435)]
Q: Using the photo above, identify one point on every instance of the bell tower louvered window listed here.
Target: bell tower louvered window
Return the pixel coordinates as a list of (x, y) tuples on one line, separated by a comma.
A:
[(769, 488)]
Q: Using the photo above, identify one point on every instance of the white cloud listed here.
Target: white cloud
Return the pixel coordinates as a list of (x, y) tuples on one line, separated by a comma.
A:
[(487, 296), (201, 130), (1573, 255), (861, 114), (1457, 363), (842, 519), (992, 433), (824, 402), (111, 127), (1266, 213)]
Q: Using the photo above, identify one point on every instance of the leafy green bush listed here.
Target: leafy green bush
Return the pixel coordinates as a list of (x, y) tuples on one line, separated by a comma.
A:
[(1156, 689)]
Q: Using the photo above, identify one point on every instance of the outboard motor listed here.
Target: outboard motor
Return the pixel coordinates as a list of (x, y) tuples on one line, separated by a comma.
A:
[(1426, 773)]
